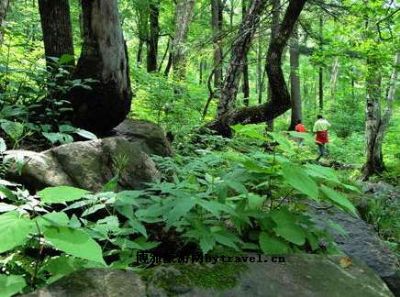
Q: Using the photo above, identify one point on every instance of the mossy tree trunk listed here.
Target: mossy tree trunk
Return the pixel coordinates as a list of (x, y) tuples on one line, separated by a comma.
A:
[(104, 59)]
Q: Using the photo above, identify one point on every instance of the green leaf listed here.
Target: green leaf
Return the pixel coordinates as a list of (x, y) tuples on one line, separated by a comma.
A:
[(54, 137), (74, 242), (287, 228), (299, 179), (61, 194), (322, 172), (14, 230), (86, 134), (271, 245), (181, 208), (54, 219), (338, 199), (11, 284), (255, 201), (13, 129)]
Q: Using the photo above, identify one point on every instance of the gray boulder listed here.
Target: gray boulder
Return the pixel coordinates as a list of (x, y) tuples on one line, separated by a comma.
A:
[(147, 136), (299, 275), (361, 242), (86, 164)]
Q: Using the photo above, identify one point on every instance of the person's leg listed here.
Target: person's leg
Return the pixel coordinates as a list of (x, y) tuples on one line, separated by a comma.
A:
[(320, 150)]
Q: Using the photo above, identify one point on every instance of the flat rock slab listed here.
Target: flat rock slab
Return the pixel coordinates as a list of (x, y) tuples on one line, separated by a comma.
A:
[(362, 243), (300, 275)]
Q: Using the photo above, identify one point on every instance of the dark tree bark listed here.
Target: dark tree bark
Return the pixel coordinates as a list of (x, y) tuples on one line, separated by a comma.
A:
[(280, 98), (246, 84), (216, 23), (3, 12), (154, 31), (183, 18), (295, 79), (276, 19), (104, 59), (321, 69), (57, 31)]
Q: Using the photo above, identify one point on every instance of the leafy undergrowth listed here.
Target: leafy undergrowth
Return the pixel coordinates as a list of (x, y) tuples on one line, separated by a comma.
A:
[(216, 194)]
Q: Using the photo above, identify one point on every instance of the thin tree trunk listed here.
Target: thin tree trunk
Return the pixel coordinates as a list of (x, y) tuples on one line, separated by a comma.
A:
[(260, 71), (321, 69), (154, 31), (183, 18), (280, 101), (104, 59), (139, 55), (3, 12), (57, 31), (216, 23), (334, 77), (246, 84), (165, 55), (295, 79)]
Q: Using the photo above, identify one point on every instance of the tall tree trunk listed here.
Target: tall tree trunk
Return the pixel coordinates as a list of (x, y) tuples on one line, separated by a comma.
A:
[(334, 77), (104, 59), (139, 55), (57, 31), (321, 69), (183, 18), (260, 71), (216, 23), (246, 84), (154, 31), (280, 101), (3, 12), (240, 47), (376, 124), (276, 16), (295, 79)]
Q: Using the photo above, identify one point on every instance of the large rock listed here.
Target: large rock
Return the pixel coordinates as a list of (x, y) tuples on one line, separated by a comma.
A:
[(300, 275), (362, 243), (146, 135), (87, 164)]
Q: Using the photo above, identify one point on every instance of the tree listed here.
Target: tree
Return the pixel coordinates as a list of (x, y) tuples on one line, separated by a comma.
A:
[(57, 31), (240, 47), (276, 17), (246, 83), (183, 18), (280, 97), (103, 59), (3, 12), (376, 123), (216, 24), (295, 79), (154, 31)]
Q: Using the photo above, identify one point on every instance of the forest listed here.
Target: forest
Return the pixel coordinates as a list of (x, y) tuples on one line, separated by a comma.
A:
[(199, 148)]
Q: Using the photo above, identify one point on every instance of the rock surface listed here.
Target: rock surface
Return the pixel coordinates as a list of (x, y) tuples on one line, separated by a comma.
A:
[(300, 275), (147, 136), (87, 164), (362, 243)]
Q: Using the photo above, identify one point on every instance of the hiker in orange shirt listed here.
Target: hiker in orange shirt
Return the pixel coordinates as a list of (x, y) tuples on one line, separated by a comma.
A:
[(300, 129)]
